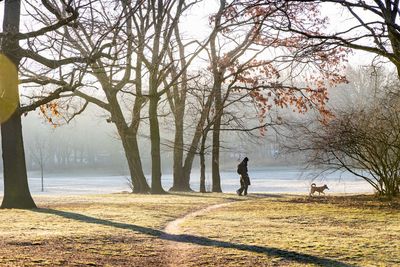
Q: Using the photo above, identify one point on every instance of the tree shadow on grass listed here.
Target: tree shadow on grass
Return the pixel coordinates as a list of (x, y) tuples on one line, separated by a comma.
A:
[(198, 240)]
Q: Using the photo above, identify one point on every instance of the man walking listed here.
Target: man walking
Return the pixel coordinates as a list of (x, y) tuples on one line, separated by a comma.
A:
[(244, 177)]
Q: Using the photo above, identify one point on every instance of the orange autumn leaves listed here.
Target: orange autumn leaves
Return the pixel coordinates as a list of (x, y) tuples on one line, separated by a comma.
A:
[(294, 72), (50, 111)]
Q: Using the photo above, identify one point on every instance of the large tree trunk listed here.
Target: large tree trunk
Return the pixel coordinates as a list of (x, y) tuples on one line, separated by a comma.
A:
[(187, 167), (132, 155), (130, 143), (216, 179), (179, 182), (16, 189), (156, 187), (142, 185)]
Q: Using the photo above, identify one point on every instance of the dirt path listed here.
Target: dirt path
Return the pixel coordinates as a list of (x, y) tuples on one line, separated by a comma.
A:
[(179, 245)]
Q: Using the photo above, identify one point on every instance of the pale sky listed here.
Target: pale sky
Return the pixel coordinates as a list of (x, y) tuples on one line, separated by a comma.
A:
[(1, 15)]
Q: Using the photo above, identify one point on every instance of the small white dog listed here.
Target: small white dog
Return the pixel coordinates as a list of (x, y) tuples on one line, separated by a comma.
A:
[(319, 189)]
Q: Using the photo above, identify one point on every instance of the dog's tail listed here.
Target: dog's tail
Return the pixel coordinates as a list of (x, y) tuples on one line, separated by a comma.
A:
[(313, 185)]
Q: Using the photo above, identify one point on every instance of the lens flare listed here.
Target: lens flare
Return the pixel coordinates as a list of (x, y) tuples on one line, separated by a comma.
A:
[(8, 88)]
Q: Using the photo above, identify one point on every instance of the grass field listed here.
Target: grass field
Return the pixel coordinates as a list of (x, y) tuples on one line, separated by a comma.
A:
[(259, 230)]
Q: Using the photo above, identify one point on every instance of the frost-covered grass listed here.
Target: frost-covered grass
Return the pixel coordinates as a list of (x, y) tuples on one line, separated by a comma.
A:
[(127, 230)]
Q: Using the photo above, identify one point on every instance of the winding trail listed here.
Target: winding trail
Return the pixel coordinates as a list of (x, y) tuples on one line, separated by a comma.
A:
[(172, 227), (179, 245)]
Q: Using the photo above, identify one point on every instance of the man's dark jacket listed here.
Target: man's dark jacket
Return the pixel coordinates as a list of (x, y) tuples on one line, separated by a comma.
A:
[(243, 172)]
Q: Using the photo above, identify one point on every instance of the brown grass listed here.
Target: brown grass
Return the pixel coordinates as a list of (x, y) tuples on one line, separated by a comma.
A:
[(127, 230), (113, 230), (300, 231)]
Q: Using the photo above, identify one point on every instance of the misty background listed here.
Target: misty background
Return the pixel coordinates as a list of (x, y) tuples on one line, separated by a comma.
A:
[(89, 146), (88, 149)]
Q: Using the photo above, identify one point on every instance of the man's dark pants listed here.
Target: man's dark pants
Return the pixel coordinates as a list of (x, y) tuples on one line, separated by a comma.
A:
[(243, 187)]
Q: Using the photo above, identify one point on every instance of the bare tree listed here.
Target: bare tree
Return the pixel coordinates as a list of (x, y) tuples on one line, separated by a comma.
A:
[(362, 137), (167, 16), (177, 100), (38, 151), (203, 95), (363, 141), (110, 32), (374, 27), (16, 189)]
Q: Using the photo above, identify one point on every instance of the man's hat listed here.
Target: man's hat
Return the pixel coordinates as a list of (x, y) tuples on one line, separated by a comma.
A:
[(246, 159)]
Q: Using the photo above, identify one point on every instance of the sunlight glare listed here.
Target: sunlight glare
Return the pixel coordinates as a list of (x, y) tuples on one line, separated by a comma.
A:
[(8, 88)]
